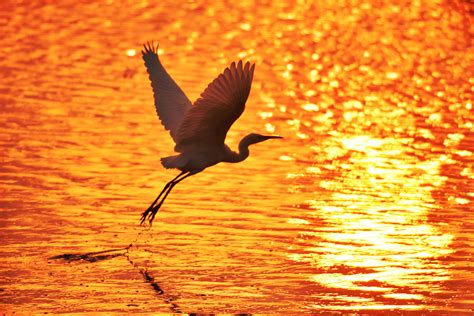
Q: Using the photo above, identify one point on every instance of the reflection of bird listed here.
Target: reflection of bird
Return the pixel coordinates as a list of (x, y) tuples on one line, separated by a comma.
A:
[(199, 130)]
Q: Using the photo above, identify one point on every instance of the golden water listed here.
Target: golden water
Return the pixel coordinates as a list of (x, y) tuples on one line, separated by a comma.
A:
[(367, 203)]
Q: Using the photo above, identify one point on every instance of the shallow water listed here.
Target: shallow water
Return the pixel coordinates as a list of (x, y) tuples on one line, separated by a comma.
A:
[(365, 205)]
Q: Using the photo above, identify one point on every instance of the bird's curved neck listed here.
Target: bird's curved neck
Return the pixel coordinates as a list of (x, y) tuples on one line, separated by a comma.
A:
[(243, 152)]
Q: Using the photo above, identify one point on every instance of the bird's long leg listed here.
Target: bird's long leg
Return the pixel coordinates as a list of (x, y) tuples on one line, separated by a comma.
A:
[(173, 183), (145, 214), (164, 189)]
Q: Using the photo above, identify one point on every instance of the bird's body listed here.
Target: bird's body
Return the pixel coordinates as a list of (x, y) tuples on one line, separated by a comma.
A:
[(198, 158), (199, 129)]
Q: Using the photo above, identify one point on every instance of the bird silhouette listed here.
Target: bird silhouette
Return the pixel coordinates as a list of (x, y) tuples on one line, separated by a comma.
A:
[(199, 129)]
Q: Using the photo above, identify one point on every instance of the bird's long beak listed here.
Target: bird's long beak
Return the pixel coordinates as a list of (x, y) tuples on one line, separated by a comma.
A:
[(270, 137)]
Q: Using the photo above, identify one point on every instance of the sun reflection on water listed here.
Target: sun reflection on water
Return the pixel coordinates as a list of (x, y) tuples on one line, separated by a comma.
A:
[(376, 236)]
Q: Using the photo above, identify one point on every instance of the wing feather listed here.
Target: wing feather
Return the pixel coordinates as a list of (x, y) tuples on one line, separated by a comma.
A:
[(170, 101), (219, 106)]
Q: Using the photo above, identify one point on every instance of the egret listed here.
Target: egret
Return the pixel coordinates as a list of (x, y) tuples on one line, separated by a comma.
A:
[(198, 129)]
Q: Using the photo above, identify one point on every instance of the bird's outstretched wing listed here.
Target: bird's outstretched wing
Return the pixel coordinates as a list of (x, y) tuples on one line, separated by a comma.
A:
[(221, 103), (170, 101)]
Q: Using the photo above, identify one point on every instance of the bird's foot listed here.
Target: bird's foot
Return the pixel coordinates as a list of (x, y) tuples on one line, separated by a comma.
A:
[(149, 215), (145, 216)]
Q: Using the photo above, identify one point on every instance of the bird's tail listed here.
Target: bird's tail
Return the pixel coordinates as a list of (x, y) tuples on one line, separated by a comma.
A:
[(170, 162)]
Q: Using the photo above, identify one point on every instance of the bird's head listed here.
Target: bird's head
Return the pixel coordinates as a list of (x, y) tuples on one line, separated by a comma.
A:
[(257, 138)]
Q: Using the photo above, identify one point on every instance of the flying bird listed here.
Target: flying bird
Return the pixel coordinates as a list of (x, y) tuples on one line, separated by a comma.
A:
[(199, 129)]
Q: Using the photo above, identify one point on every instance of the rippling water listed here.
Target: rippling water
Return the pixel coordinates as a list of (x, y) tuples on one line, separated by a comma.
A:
[(367, 203)]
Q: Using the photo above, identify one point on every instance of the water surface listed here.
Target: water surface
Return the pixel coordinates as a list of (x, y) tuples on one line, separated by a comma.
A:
[(365, 205)]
